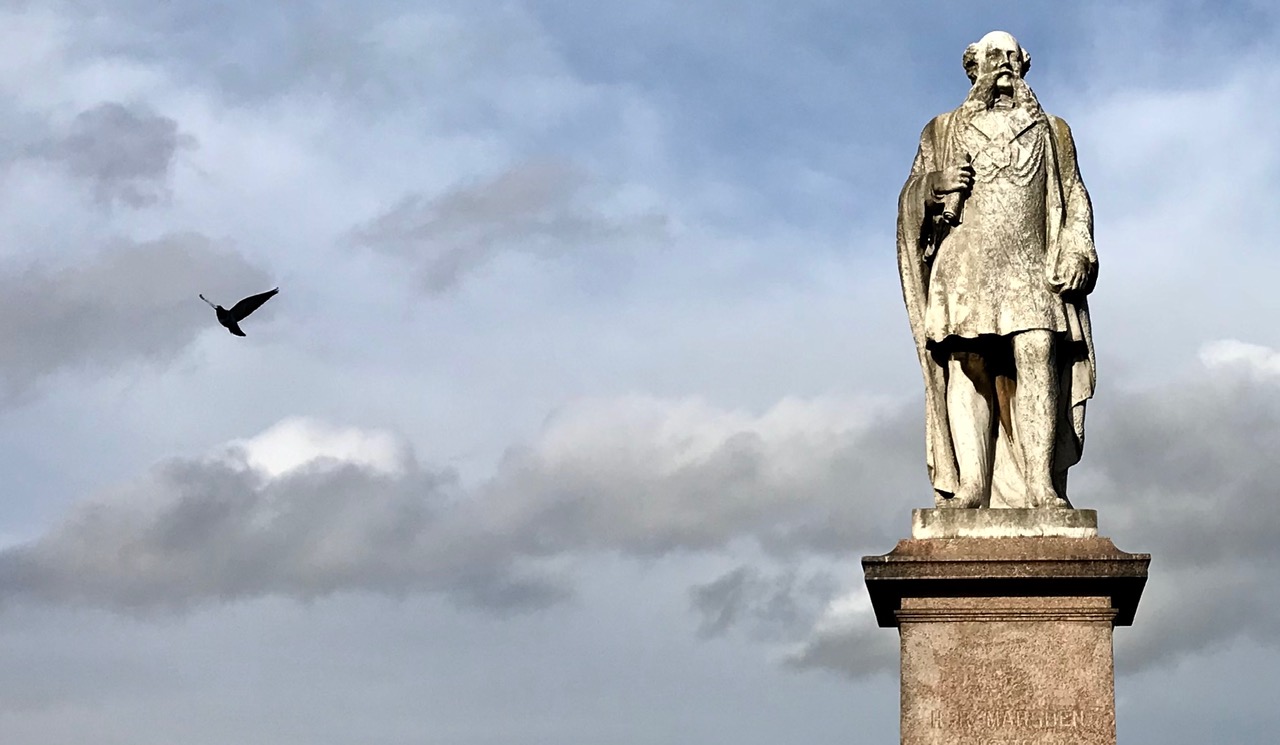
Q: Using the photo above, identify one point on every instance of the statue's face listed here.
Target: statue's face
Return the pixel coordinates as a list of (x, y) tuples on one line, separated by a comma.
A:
[(1000, 56)]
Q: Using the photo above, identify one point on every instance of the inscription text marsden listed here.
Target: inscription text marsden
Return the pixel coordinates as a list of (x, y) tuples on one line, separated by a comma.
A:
[(1032, 719)]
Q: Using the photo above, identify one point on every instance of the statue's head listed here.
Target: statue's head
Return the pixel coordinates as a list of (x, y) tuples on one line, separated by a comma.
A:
[(999, 56)]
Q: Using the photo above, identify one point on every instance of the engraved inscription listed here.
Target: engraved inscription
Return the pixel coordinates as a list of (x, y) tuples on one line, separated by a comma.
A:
[(1042, 740), (981, 719)]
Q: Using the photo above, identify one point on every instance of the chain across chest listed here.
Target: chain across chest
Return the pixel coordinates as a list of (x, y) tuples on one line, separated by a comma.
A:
[(1002, 147)]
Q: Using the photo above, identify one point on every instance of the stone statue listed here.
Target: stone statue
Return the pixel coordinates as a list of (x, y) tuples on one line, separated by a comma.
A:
[(996, 255)]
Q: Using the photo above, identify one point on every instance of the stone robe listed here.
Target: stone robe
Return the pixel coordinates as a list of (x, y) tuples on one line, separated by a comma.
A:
[(1025, 223)]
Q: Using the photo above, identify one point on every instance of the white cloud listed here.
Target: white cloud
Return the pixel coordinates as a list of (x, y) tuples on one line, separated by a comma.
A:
[(1232, 354), (301, 441), (647, 476)]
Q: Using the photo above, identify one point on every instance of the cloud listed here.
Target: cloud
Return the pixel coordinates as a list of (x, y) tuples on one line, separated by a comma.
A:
[(1183, 471), (804, 614), (805, 488), (132, 301), (648, 476), (1228, 355), (125, 152), (297, 442), (537, 207), (324, 509), (775, 606), (1191, 469), (307, 509), (847, 640)]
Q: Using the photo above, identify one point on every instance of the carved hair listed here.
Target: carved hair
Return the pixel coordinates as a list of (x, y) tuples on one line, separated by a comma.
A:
[(970, 61)]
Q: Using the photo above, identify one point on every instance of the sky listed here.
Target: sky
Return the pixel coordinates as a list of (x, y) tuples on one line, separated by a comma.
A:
[(589, 381)]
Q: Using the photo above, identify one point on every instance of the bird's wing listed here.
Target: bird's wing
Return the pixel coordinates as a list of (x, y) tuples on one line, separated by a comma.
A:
[(242, 309), (211, 305)]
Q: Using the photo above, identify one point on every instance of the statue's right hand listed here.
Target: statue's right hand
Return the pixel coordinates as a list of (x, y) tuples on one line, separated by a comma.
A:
[(956, 178)]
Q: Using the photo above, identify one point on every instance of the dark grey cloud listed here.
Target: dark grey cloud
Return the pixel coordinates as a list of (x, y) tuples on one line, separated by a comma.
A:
[(821, 625), (854, 647), (774, 606), (133, 301), (125, 152), (542, 207)]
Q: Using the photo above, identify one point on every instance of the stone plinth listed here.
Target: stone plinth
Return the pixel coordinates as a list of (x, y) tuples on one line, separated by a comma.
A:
[(1006, 640), (1004, 523)]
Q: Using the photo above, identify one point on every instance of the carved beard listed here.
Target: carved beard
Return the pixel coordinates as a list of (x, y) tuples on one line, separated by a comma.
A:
[(983, 94)]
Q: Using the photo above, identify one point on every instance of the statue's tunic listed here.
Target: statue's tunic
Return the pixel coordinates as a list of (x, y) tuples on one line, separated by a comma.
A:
[(1026, 221), (989, 274)]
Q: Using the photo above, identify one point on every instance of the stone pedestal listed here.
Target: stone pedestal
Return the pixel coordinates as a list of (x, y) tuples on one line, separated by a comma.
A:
[(1005, 619)]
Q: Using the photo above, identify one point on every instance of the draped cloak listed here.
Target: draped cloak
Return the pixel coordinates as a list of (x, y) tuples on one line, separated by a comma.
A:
[(1068, 238)]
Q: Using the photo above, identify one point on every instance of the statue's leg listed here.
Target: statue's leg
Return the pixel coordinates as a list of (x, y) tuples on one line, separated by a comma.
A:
[(970, 407), (1036, 412)]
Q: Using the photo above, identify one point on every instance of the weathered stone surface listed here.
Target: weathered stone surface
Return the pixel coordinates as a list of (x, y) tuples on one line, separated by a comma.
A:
[(1007, 640), (1010, 523), (996, 257), (1033, 671)]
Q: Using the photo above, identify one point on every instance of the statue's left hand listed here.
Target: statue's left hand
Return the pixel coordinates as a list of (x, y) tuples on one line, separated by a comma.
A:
[(1076, 274)]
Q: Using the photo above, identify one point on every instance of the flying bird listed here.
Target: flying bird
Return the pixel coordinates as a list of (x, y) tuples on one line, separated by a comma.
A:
[(239, 311)]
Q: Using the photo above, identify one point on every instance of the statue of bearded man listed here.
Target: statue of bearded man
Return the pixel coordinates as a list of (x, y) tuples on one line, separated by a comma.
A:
[(996, 255)]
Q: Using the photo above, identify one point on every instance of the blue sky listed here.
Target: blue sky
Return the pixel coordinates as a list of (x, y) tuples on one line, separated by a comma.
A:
[(589, 380)]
